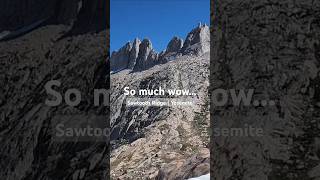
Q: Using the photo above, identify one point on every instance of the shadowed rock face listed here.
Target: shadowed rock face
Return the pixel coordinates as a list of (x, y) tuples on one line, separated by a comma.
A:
[(174, 45), (134, 53), (16, 14), (83, 15), (92, 17), (172, 51), (29, 149), (147, 56), (39, 50)]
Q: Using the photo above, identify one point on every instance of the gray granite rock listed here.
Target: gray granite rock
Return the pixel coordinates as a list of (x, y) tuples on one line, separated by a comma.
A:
[(36, 52), (174, 45), (172, 51), (146, 57), (120, 59), (141, 56), (81, 15), (134, 53), (271, 47), (29, 148), (197, 41)]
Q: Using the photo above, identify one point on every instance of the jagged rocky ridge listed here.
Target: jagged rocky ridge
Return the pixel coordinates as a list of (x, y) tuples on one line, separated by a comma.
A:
[(161, 142), (140, 55)]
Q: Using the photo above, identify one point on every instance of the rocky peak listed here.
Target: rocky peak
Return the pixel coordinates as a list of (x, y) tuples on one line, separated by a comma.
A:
[(174, 45), (197, 41), (147, 56), (120, 59), (127, 46), (134, 53), (135, 56), (144, 49), (146, 43), (136, 42), (173, 49), (141, 55)]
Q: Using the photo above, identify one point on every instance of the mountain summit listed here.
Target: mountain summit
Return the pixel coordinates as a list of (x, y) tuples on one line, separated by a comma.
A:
[(139, 55)]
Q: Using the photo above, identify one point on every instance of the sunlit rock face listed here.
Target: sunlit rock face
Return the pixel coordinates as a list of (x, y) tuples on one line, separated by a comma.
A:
[(197, 41)]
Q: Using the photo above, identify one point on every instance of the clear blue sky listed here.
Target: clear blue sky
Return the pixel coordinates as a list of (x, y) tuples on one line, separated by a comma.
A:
[(158, 20)]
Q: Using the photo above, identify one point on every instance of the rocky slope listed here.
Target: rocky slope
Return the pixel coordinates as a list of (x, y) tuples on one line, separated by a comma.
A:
[(161, 142), (273, 48), (139, 55), (29, 148)]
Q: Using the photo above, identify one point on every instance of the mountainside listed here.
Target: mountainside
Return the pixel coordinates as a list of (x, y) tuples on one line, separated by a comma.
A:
[(29, 146), (273, 48), (168, 142)]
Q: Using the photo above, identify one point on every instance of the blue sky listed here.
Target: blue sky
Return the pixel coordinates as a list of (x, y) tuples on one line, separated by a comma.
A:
[(158, 20)]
